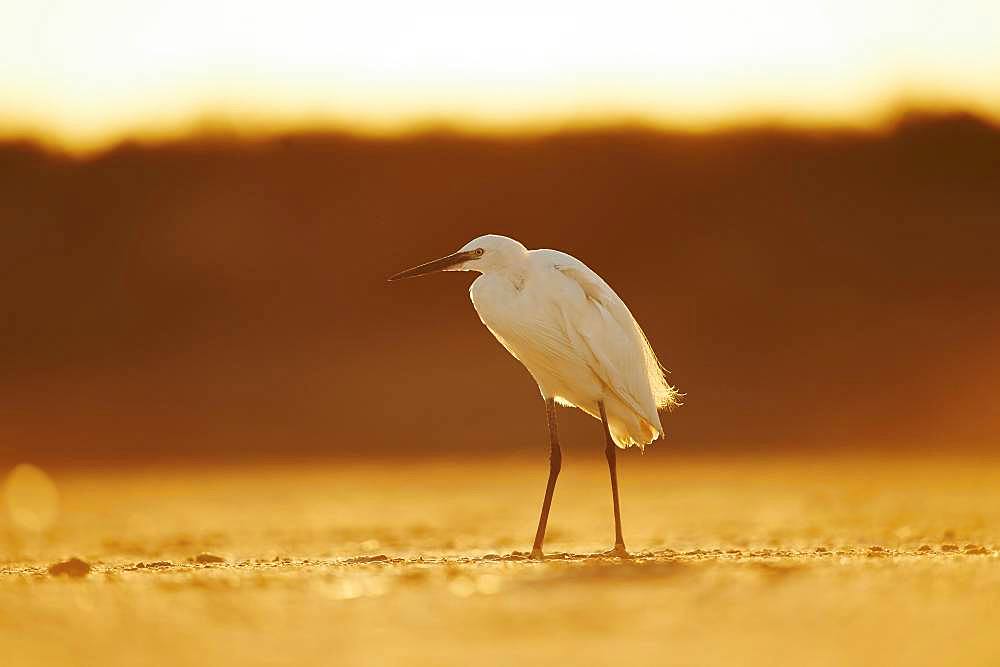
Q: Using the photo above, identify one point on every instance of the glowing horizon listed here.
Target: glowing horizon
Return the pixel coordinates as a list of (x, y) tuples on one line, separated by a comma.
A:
[(85, 74)]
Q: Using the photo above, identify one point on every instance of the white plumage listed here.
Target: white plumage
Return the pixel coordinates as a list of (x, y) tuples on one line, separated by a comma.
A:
[(577, 339), (571, 331)]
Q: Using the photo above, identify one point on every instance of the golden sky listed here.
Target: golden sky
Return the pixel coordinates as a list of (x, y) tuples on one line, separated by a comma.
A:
[(85, 72)]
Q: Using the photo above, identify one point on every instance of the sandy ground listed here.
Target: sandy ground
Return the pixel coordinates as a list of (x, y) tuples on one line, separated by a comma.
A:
[(749, 562)]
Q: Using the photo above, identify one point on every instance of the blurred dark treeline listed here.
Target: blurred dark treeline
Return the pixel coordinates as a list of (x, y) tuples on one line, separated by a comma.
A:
[(226, 298)]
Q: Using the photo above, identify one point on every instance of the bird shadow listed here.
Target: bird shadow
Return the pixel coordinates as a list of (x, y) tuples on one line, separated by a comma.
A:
[(564, 556)]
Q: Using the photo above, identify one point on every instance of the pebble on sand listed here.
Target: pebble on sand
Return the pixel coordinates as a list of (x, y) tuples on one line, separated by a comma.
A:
[(208, 558), (74, 567)]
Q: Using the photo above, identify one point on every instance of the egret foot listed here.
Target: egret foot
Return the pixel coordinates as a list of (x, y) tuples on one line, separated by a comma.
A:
[(618, 552), (536, 554)]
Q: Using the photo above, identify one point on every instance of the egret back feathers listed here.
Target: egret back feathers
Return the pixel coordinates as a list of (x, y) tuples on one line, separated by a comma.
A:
[(573, 333)]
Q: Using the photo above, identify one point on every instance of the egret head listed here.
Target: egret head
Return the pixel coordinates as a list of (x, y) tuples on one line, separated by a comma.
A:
[(486, 253)]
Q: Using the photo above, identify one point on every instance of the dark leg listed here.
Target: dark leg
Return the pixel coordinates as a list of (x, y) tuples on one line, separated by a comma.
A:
[(610, 453), (555, 464)]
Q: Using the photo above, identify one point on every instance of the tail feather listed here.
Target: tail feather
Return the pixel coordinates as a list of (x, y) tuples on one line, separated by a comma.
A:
[(628, 428)]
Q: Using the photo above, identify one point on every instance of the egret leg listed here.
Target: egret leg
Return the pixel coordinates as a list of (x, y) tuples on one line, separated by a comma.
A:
[(611, 454), (555, 464)]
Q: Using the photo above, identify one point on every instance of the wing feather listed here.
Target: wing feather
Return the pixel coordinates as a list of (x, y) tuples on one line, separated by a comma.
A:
[(565, 321), (626, 361)]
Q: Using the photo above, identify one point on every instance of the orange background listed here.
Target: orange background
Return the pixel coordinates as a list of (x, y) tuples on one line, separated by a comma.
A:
[(224, 298)]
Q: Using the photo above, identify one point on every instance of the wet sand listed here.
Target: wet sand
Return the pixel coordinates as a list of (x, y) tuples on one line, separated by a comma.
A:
[(821, 562)]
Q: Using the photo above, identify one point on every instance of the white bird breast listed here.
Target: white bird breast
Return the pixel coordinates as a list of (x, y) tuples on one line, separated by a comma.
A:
[(528, 322)]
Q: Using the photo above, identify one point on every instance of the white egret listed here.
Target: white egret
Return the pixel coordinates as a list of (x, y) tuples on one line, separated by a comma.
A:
[(577, 339)]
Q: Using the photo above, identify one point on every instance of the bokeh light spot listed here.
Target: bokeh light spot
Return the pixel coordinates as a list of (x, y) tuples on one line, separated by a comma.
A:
[(31, 498)]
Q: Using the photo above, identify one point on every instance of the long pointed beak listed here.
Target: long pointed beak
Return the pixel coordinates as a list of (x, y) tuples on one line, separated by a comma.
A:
[(437, 265)]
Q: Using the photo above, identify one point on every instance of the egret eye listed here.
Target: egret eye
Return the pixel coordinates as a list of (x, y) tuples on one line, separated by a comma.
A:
[(479, 252)]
